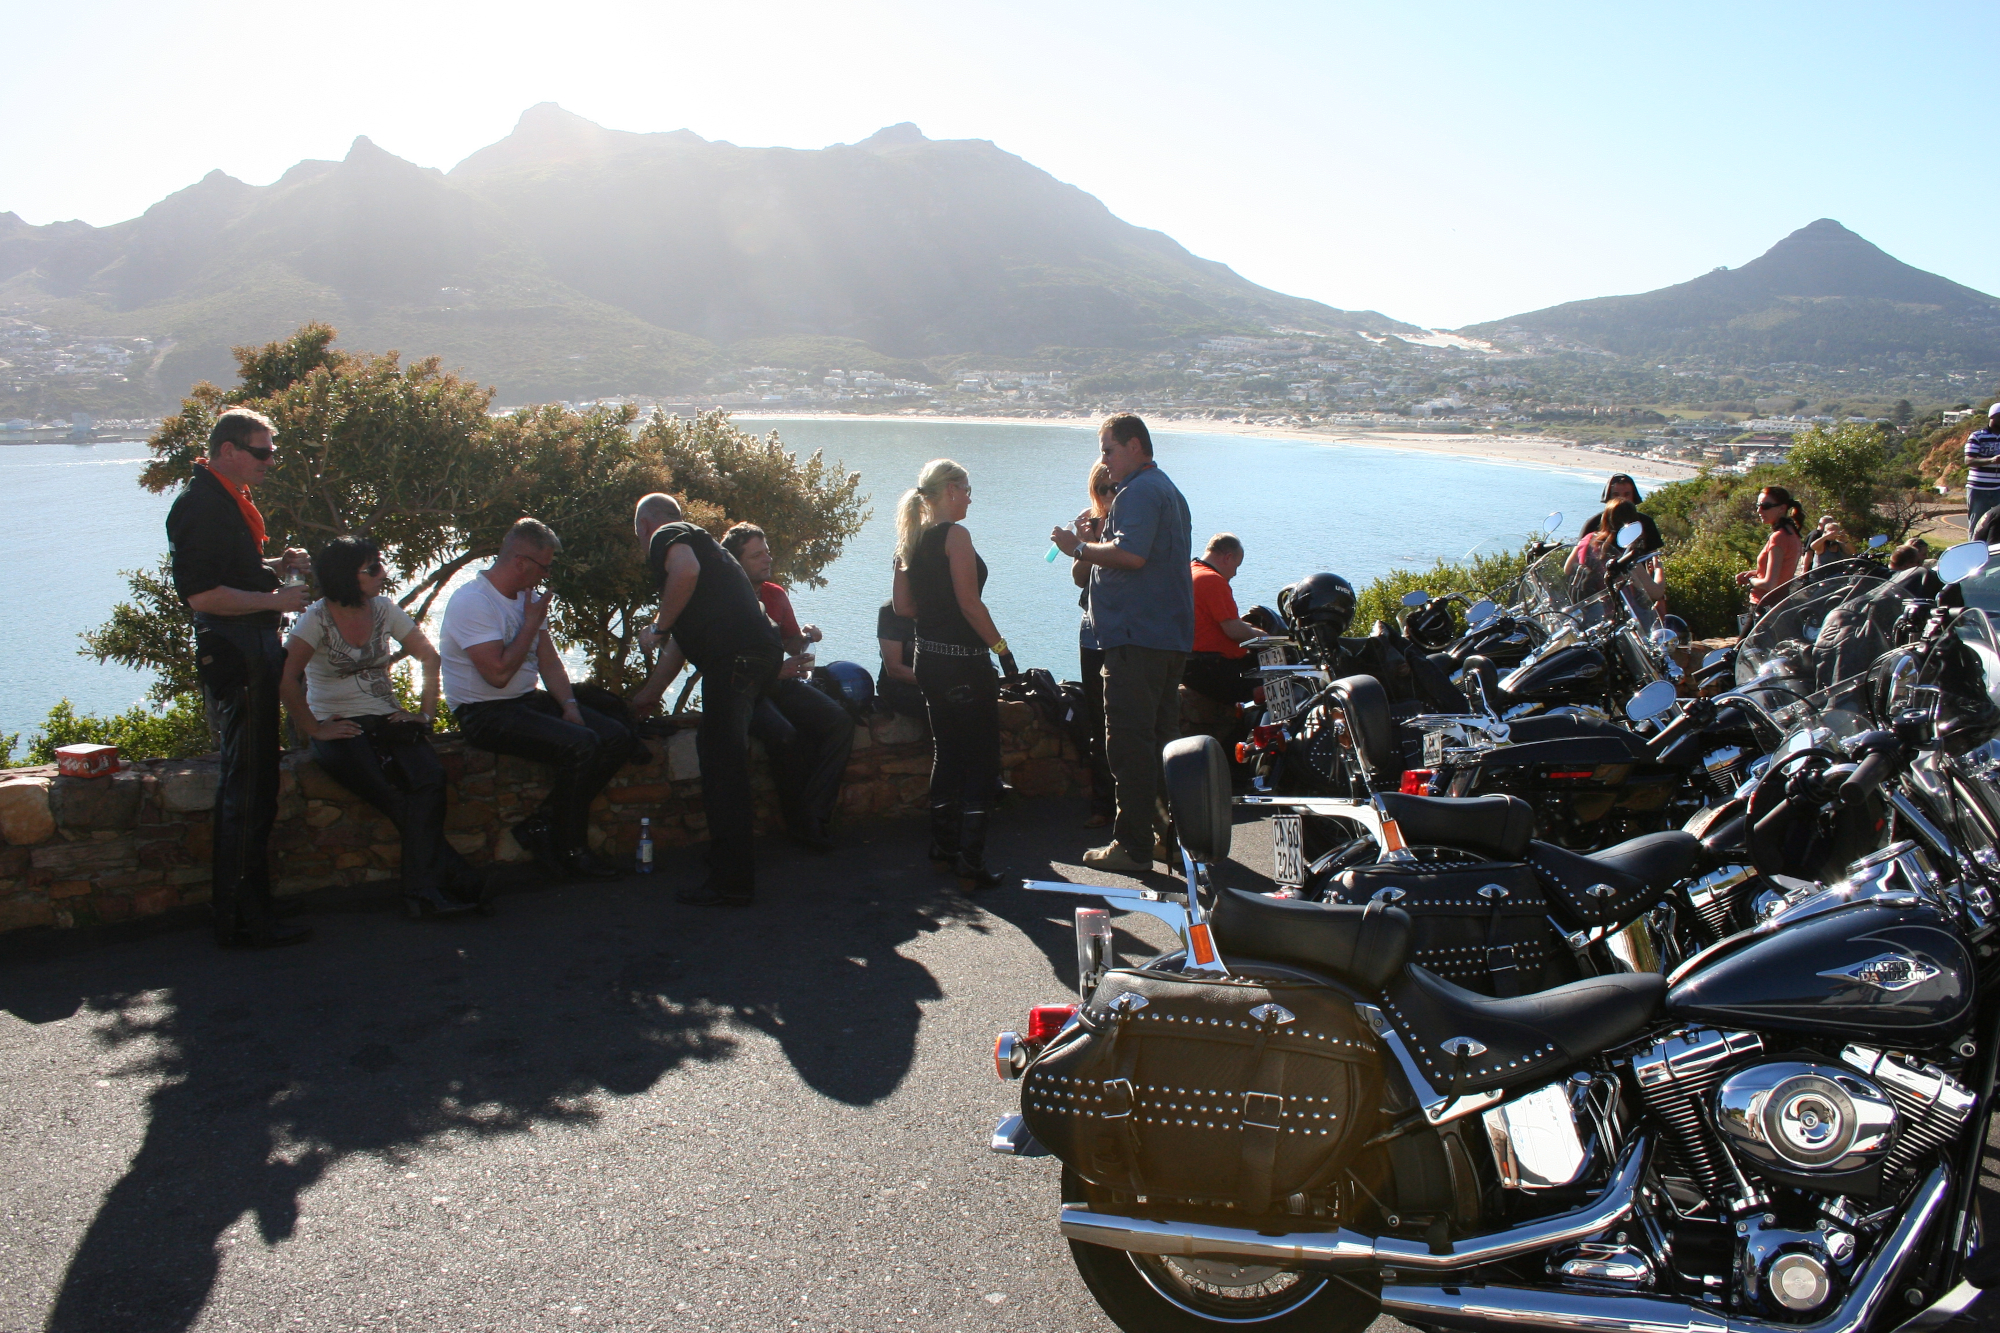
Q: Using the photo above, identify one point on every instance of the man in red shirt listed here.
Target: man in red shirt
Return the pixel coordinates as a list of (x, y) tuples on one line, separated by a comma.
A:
[(806, 733), (1218, 665)]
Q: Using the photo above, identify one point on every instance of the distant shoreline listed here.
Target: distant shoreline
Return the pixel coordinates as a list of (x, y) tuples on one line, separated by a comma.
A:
[(1516, 450)]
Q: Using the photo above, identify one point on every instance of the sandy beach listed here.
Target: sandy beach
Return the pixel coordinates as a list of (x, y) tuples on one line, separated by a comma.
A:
[(1519, 450)]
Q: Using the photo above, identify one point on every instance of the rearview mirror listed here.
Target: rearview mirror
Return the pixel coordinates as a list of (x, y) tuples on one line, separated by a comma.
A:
[(1480, 612), (1416, 597), (1877, 542), (1553, 521), (1962, 561), (1651, 701), (1630, 533), (1713, 656)]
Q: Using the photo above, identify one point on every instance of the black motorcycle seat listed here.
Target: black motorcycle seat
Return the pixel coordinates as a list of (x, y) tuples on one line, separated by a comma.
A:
[(1561, 726), (1611, 887), (1495, 826), (1367, 944), (1519, 1041)]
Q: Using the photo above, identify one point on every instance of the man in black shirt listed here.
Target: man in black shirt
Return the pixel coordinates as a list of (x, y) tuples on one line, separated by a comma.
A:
[(897, 690), (216, 535), (711, 612)]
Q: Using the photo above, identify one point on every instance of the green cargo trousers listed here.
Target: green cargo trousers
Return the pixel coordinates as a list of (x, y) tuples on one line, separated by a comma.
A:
[(1142, 716)]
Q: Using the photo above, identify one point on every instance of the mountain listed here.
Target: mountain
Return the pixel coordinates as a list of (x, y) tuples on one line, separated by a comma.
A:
[(1821, 295), (569, 259)]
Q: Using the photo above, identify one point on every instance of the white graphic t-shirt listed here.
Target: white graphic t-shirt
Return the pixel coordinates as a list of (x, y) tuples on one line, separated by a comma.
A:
[(351, 679)]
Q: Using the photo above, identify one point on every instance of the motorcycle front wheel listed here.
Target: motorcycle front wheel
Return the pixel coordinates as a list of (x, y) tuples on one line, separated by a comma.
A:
[(1145, 1293)]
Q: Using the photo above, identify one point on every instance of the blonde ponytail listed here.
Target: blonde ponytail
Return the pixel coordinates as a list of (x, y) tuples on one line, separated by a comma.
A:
[(913, 511)]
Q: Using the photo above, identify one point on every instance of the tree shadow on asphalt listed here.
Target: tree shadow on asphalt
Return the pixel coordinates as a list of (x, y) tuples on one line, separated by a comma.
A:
[(382, 1036)]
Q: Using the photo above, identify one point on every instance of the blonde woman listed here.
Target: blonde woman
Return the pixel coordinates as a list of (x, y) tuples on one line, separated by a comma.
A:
[(1090, 525), (939, 578)]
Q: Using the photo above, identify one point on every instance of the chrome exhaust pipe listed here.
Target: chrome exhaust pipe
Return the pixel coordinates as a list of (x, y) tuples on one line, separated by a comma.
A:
[(1504, 1309), (1351, 1250)]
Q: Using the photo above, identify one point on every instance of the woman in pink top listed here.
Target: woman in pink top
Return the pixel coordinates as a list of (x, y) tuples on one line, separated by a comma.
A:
[(1778, 562)]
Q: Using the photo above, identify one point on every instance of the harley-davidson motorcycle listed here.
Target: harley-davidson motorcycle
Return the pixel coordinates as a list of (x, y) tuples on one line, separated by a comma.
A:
[(1552, 731), (1285, 1124)]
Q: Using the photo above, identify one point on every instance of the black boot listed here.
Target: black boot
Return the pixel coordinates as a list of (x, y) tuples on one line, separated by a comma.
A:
[(971, 862), (945, 820)]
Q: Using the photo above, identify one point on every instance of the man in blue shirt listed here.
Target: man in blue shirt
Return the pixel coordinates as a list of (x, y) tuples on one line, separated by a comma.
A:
[(1142, 610)]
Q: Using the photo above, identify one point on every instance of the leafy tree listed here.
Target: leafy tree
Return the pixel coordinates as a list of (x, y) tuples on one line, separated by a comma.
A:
[(152, 632), (1842, 467), (408, 456), (808, 508), (366, 446), (1903, 413)]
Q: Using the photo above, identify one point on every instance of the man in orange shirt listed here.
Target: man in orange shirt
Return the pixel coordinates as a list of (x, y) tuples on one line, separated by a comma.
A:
[(1220, 662)]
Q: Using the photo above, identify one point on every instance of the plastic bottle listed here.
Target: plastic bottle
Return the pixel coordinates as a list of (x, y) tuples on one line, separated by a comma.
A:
[(645, 860)]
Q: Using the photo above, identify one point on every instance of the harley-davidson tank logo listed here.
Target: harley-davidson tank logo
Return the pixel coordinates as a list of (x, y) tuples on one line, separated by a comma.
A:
[(1887, 971)]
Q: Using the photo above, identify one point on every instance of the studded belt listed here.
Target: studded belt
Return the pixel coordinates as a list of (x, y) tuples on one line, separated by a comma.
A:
[(950, 649)]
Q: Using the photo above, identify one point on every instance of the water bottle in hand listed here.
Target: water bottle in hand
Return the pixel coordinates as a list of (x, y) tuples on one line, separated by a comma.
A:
[(645, 857)]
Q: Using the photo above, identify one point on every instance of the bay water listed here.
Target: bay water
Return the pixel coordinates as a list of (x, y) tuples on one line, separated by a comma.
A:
[(77, 518)]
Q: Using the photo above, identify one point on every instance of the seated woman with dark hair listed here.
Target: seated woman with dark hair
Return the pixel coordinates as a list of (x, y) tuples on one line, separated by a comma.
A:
[(336, 686)]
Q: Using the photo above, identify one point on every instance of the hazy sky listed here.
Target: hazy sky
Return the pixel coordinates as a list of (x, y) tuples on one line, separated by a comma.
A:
[(1443, 163)]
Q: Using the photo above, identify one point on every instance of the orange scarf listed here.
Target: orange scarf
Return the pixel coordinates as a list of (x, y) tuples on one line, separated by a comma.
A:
[(241, 494)]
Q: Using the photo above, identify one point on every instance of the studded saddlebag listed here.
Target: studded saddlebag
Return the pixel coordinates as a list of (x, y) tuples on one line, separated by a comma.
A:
[(1215, 1090), (1483, 927)]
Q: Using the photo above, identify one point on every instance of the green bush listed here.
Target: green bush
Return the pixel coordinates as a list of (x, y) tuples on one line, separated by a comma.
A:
[(175, 732), (1701, 588), (1482, 576)]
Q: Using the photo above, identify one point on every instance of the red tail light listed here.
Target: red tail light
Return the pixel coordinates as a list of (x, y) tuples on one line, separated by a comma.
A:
[(1270, 736), (1575, 774), (1045, 1020), (1417, 781)]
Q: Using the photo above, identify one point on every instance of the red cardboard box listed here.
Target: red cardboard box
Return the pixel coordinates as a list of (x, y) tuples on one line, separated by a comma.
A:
[(86, 761)]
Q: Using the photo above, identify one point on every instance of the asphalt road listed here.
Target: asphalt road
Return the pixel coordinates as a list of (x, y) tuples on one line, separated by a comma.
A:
[(596, 1110)]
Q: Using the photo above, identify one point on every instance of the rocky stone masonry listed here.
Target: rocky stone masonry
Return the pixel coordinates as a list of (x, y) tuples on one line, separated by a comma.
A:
[(85, 851)]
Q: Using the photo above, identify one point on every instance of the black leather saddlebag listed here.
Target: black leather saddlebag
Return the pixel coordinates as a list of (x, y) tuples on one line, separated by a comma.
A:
[(1484, 927), (1210, 1090)]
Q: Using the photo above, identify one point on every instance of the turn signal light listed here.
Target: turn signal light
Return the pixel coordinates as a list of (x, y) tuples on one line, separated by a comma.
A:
[(1417, 781), (1045, 1020)]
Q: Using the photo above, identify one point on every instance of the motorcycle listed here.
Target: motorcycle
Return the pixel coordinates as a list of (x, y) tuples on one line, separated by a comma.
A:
[(1285, 1124), (1554, 731)]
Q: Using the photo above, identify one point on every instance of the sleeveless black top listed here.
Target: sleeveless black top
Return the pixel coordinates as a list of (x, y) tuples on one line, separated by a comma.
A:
[(938, 616), (724, 616)]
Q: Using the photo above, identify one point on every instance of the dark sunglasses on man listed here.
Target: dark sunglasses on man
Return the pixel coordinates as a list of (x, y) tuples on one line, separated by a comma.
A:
[(262, 455)]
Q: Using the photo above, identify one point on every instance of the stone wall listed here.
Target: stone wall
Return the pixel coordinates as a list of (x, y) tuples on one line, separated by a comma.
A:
[(89, 851)]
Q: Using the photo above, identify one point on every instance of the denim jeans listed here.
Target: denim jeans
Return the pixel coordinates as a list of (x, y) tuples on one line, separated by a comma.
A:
[(729, 696), (531, 726), (1978, 499), (405, 782), (808, 737), (239, 667), (963, 694), (1142, 716)]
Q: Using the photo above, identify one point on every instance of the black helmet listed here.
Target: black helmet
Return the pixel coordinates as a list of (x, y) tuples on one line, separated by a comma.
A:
[(1320, 600)]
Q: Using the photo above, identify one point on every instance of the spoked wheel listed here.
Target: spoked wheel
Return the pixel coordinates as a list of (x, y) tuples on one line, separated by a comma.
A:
[(1146, 1293)]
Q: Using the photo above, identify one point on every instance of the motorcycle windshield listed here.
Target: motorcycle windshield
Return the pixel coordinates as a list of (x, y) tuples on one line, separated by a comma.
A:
[(1545, 593), (1780, 645)]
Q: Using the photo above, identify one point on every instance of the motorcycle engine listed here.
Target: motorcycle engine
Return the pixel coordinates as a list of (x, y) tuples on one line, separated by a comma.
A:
[(1848, 1128), (1834, 1136)]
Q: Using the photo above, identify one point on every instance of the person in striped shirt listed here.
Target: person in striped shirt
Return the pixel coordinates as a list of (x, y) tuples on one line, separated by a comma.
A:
[(1982, 468)]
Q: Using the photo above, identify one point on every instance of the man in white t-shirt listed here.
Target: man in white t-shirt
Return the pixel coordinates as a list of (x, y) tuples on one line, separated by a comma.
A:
[(495, 645)]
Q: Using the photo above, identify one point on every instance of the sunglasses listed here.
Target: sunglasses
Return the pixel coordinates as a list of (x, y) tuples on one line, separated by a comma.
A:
[(542, 565), (373, 569), (1770, 504), (262, 455)]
